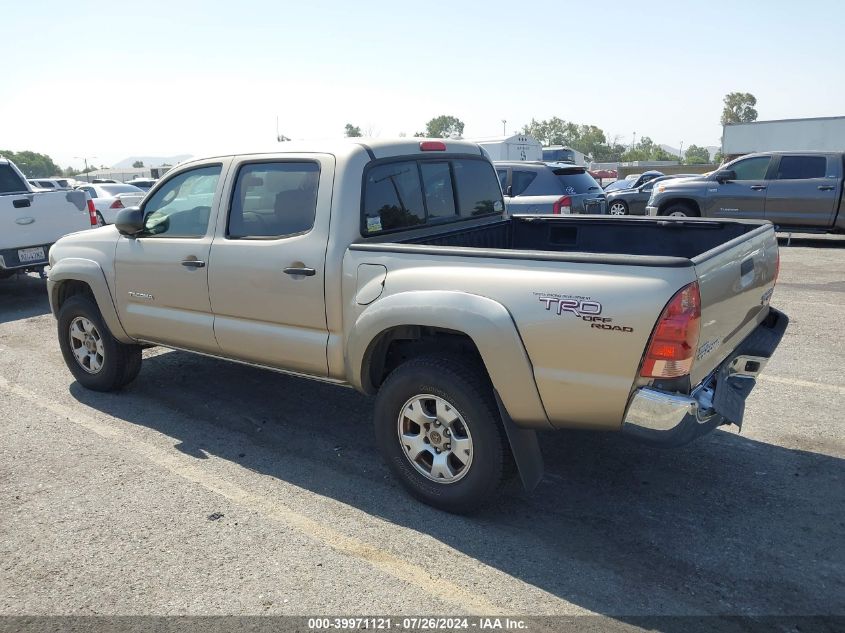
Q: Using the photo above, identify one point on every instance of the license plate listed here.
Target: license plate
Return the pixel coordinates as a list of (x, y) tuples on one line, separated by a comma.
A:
[(34, 254)]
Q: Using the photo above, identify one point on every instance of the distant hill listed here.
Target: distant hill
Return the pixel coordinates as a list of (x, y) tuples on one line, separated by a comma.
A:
[(674, 150), (151, 161)]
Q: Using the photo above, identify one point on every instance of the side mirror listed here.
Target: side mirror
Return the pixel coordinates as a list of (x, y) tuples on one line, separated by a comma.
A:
[(130, 221), (509, 191), (724, 175)]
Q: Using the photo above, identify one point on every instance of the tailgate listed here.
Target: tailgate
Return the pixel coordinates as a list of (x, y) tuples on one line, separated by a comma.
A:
[(31, 219), (736, 281)]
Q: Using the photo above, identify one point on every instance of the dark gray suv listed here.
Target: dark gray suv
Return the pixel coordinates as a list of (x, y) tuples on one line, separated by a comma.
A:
[(537, 187)]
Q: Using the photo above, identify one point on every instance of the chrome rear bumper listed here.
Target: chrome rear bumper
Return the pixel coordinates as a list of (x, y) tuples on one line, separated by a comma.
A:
[(672, 419)]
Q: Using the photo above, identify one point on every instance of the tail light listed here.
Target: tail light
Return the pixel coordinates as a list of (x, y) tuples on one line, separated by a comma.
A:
[(563, 205), (675, 338), (92, 213), (117, 204)]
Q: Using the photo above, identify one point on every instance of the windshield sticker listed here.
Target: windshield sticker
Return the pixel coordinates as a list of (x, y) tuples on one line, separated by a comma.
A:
[(374, 224)]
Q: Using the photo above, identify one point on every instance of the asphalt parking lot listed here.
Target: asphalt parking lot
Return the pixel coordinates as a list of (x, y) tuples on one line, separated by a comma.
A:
[(214, 488)]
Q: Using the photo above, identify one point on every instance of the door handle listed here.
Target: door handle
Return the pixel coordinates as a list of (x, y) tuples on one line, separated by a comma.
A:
[(304, 271), (826, 187), (193, 263), (20, 203), (758, 187)]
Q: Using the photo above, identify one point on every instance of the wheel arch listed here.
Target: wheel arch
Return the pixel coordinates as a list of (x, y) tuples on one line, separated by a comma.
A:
[(72, 276), (419, 322), (692, 203)]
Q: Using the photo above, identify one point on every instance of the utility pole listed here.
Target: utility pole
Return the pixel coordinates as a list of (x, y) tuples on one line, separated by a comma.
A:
[(281, 138), (85, 160), (505, 127), (681, 153), (634, 141)]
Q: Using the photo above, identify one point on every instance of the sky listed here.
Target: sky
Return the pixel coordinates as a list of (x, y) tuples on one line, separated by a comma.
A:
[(108, 80)]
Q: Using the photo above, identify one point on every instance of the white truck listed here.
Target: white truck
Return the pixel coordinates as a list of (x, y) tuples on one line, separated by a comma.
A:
[(31, 221)]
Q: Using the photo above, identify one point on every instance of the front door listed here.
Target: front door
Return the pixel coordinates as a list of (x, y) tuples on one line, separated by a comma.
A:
[(743, 197), (267, 274), (804, 192), (162, 275)]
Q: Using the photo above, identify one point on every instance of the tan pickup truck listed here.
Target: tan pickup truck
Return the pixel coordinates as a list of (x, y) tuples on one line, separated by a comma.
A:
[(390, 267)]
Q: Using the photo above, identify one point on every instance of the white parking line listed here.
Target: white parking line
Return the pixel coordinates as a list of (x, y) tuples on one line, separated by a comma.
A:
[(802, 383), (187, 468)]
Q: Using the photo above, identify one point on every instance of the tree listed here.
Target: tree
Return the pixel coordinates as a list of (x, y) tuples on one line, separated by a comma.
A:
[(646, 149), (739, 108), (443, 126), (33, 164), (352, 130), (719, 158), (696, 155), (138, 163)]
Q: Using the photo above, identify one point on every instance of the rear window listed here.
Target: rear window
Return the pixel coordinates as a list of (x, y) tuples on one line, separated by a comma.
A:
[(409, 193), (802, 167), (10, 182), (576, 180), (116, 189)]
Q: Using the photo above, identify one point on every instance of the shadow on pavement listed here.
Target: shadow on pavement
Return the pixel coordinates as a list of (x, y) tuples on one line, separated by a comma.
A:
[(22, 297), (811, 241), (728, 525)]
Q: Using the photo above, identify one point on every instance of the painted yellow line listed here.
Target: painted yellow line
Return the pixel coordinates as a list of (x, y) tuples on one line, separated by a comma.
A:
[(802, 383), (187, 468)]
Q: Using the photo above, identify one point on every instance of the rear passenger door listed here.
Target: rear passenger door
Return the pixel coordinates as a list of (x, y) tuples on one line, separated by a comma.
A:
[(805, 191), (267, 272), (745, 196)]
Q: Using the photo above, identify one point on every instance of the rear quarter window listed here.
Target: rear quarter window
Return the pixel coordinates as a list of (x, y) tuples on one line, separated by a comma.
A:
[(409, 193), (10, 182), (576, 181)]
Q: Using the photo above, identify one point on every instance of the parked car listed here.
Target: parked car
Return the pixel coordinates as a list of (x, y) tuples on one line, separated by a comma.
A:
[(556, 188), (472, 329), (633, 201), (801, 191), (111, 198), (31, 221), (103, 181), (559, 154), (142, 183), (632, 181)]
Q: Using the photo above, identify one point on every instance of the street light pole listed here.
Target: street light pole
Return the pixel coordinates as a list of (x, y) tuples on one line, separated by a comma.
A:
[(85, 159), (681, 153), (505, 127)]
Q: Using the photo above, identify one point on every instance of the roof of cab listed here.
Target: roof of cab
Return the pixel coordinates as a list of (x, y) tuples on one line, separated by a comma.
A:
[(376, 147)]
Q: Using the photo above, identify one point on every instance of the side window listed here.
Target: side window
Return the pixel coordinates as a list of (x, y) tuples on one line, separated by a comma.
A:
[(274, 200), (438, 189), (393, 197), (503, 177), (10, 182), (90, 190), (751, 168), (802, 167), (521, 180), (478, 193), (182, 205)]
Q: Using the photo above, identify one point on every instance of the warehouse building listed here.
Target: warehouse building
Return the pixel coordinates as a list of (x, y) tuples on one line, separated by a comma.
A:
[(823, 134)]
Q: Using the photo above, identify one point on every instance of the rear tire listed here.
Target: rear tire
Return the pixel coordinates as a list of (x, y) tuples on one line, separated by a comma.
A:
[(96, 359), (617, 207), (457, 457), (680, 210)]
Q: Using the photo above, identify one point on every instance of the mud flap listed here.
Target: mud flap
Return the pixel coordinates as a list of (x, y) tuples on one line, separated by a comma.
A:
[(525, 449)]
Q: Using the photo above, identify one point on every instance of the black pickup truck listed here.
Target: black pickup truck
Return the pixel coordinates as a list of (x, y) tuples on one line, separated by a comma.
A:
[(796, 191)]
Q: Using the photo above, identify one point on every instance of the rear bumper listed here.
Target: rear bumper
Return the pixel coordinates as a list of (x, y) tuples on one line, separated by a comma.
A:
[(668, 419), (9, 259), (651, 210)]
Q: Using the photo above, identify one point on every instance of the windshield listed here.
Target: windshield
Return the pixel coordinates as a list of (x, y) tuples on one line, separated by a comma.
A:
[(620, 184)]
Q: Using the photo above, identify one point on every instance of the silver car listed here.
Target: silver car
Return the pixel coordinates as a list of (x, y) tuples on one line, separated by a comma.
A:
[(554, 188)]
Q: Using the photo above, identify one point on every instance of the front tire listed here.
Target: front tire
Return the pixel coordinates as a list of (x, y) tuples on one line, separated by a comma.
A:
[(680, 210), (438, 429), (96, 359), (617, 207)]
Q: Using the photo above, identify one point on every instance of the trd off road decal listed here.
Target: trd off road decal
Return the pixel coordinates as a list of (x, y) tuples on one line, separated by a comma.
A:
[(584, 308)]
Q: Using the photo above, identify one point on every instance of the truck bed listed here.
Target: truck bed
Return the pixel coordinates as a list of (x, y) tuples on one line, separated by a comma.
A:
[(665, 238)]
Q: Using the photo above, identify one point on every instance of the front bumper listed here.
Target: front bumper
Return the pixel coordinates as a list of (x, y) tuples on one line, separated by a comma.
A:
[(671, 419)]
